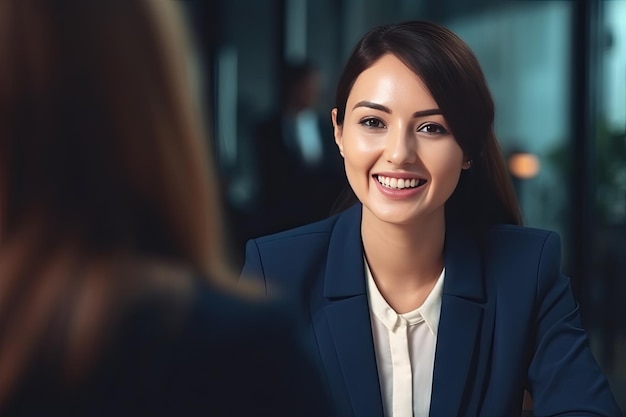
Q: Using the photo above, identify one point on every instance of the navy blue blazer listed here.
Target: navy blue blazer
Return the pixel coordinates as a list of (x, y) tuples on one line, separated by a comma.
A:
[(508, 322)]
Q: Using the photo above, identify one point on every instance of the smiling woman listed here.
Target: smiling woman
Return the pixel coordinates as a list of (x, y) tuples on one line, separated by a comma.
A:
[(393, 134), (427, 297)]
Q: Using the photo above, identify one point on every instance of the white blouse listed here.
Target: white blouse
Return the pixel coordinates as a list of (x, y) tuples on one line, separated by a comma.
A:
[(405, 350)]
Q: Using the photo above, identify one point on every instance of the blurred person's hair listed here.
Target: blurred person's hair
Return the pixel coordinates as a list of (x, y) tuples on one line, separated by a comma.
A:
[(295, 72), (103, 162), (300, 83)]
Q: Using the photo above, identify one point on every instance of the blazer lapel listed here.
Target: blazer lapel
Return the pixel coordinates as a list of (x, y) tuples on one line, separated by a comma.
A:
[(459, 327), (458, 359), (348, 315)]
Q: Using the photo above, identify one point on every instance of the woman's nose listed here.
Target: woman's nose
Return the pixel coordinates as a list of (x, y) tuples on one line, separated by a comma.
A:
[(400, 148)]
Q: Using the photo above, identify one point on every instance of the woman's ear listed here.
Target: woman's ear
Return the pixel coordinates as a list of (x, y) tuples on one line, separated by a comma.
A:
[(337, 130), (467, 162)]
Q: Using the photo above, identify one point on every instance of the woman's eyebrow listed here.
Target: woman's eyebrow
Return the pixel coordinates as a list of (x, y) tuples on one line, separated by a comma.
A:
[(376, 106), (428, 112), (371, 105)]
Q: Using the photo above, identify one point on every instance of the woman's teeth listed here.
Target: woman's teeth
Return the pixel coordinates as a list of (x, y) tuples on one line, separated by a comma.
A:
[(399, 183)]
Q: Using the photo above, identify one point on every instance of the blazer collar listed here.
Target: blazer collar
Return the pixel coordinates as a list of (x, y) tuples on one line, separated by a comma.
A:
[(459, 338), (345, 270), (345, 273), (462, 346), (463, 266), (348, 316)]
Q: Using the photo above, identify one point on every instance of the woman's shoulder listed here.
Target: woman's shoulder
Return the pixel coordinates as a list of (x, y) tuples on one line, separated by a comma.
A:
[(191, 306), (218, 344), (252, 346), (323, 226), (518, 248), (227, 309), (513, 230), (509, 234), (517, 251), (187, 347)]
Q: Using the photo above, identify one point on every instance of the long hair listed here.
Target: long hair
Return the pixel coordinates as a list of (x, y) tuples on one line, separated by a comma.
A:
[(102, 158), (452, 74)]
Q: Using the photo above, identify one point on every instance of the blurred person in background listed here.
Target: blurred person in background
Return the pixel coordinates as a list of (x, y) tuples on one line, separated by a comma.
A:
[(300, 172), (115, 295), (426, 296)]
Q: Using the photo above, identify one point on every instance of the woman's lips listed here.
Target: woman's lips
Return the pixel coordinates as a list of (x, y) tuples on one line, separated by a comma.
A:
[(398, 187), (399, 183)]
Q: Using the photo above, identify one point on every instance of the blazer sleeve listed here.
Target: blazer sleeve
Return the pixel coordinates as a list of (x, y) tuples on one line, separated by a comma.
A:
[(304, 375), (563, 376), (252, 271), (270, 373)]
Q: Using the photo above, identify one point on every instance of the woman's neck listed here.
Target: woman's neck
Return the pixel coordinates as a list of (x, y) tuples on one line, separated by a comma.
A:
[(405, 260)]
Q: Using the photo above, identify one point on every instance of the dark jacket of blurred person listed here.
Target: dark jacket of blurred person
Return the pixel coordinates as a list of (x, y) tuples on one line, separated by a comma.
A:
[(115, 296), (300, 173)]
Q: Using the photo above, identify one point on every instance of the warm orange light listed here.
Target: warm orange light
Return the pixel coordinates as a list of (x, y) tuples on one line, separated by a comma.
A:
[(524, 165)]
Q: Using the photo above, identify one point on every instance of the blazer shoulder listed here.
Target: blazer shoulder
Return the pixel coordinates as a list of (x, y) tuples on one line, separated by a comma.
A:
[(519, 248), (512, 229), (503, 234), (324, 226)]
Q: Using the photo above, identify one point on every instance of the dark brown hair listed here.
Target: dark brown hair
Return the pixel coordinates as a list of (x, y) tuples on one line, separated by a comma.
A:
[(102, 158), (484, 194)]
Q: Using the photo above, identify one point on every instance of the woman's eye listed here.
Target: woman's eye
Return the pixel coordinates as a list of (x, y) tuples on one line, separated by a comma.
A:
[(432, 129), (372, 122)]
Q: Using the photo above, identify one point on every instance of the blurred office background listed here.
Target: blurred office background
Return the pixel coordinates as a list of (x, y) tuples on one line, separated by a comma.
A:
[(557, 71)]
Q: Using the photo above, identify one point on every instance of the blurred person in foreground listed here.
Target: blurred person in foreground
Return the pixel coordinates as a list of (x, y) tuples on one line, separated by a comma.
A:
[(115, 299)]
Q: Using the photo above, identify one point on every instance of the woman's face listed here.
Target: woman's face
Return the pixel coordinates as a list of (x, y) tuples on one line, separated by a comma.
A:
[(400, 158)]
